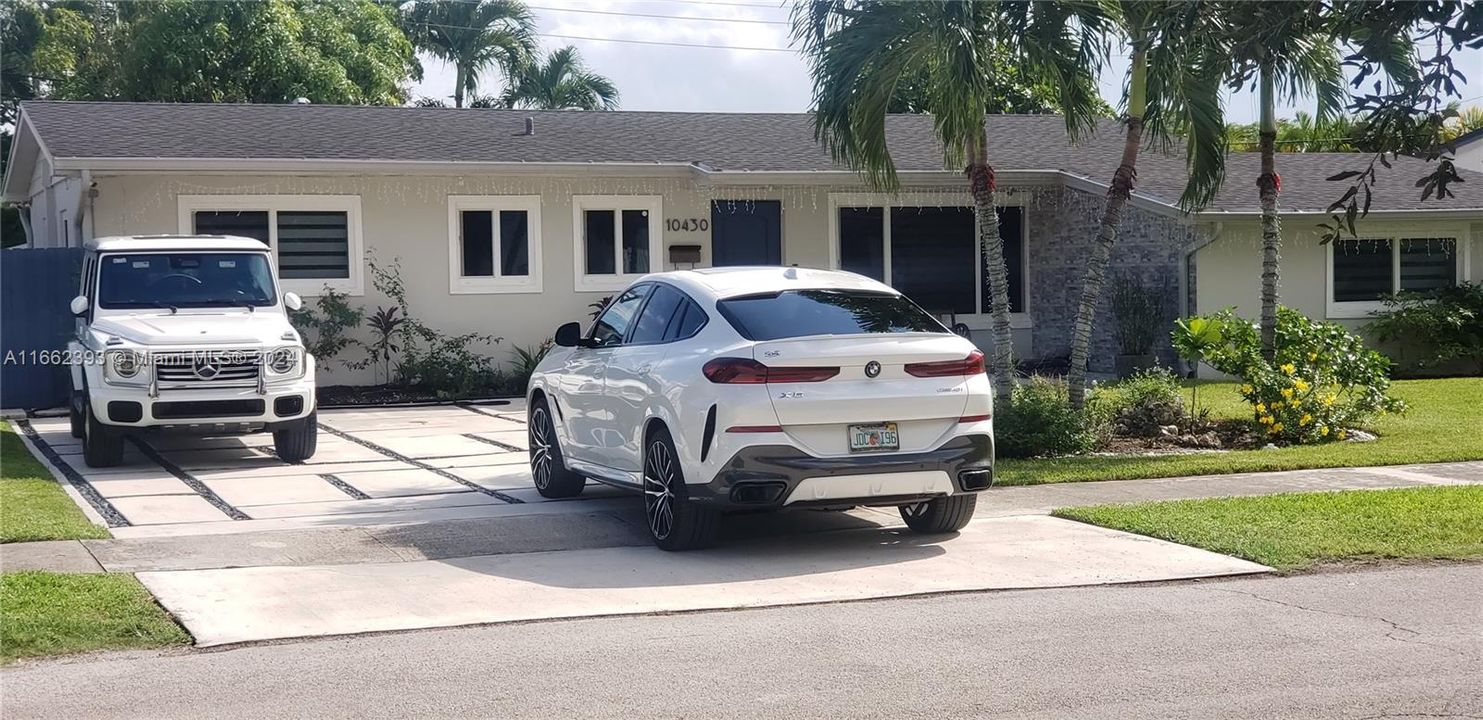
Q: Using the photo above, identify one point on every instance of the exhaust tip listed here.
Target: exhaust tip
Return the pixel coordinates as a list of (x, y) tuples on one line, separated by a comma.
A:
[(758, 493), (976, 479)]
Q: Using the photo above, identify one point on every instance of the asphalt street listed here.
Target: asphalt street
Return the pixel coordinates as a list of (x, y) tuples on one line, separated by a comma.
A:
[(1400, 642)]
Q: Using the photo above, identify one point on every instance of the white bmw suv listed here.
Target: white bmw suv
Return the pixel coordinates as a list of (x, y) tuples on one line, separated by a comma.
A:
[(753, 388)]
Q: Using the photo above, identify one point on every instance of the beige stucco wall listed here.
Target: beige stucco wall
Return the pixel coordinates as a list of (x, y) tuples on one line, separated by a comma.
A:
[(406, 217), (1228, 269)]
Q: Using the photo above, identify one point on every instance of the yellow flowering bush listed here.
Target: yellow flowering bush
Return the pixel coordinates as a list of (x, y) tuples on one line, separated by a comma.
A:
[(1322, 382)]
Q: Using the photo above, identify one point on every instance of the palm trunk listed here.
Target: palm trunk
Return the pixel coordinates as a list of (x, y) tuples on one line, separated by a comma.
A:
[(460, 76), (1117, 198), (991, 248), (1268, 186)]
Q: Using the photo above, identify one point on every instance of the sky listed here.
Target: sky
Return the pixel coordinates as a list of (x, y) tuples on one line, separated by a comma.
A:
[(733, 70)]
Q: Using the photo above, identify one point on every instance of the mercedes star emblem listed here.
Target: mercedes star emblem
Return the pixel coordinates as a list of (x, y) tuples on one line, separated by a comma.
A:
[(205, 369), (872, 369)]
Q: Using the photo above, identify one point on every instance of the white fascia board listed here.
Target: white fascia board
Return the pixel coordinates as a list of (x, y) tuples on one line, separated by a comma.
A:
[(207, 166), (1428, 214)]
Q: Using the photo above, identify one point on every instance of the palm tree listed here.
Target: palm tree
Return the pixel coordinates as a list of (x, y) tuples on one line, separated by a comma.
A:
[(474, 35), (861, 52), (1171, 72), (561, 82), (1288, 49)]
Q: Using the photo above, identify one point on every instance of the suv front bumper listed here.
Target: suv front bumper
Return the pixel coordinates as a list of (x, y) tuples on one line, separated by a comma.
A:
[(777, 476), (234, 409)]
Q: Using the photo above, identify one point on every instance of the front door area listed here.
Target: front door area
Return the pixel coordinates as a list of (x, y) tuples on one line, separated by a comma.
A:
[(746, 232)]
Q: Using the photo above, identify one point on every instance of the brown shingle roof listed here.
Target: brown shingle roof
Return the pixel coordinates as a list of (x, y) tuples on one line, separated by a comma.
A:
[(723, 141)]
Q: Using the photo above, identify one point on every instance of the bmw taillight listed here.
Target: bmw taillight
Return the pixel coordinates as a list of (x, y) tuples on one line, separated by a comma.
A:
[(971, 365), (746, 371)]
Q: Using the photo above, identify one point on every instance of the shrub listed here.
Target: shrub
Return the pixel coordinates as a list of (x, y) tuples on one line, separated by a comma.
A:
[(1039, 420), (448, 365), (1322, 381), (524, 365), (1141, 312), (324, 326), (1147, 401), (1446, 324)]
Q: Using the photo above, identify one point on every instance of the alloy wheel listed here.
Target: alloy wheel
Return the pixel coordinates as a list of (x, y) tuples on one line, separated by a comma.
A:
[(915, 509), (659, 493), (540, 447)]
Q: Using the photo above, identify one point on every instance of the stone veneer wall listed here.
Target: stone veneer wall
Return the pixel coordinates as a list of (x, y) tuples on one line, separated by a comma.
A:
[(1150, 248)]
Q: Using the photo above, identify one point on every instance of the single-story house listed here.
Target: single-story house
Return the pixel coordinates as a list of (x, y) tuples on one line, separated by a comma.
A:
[(511, 222)]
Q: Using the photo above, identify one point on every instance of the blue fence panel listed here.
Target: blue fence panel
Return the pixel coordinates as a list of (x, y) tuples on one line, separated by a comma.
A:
[(36, 286)]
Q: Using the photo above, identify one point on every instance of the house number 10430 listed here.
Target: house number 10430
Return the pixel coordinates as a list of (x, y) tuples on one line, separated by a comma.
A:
[(688, 224)]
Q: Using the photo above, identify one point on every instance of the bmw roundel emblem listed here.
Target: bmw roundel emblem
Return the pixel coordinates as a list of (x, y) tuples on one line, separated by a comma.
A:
[(872, 369)]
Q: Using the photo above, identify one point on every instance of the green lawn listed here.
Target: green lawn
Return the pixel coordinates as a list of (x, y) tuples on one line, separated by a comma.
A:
[(32, 505), (1302, 530), (1442, 425), (44, 613), (54, 614)]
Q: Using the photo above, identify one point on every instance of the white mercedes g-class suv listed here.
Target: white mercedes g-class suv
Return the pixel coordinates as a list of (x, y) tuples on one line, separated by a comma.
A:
[(187, 333)]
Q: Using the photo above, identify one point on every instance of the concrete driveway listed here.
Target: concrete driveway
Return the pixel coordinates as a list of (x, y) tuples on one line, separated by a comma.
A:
[(413, 518), (373, 466)]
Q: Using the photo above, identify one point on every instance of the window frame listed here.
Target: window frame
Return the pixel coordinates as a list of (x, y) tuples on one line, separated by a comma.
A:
[(354, 285), (619, 280), (979, 320), (1460, 235), (460, 284)]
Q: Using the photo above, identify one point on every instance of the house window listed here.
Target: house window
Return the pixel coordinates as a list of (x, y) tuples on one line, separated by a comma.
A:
[(930, 254), (494, 244), (1365, 270), (315, 239), (617, 239)]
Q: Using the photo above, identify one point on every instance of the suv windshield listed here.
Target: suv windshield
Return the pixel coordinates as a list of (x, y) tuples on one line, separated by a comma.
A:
[(800, 313), (176, 280)]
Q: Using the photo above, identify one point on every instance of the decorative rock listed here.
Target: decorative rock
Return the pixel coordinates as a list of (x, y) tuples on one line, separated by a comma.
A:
[(1169, 430), (1269, 446), (1360, 436)]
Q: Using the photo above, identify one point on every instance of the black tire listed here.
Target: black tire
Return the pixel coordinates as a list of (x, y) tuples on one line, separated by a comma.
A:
[(674, 522), (102, 446), (940, 515), (298, 442), (547, 464), (75, 416)]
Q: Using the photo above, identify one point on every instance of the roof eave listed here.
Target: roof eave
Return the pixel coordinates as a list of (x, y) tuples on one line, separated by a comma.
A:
[(1428, 213), (26, 148)]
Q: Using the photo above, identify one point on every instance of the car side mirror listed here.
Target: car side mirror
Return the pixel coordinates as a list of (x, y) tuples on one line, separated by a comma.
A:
[(569, 335), (292, 301), (79, 306)]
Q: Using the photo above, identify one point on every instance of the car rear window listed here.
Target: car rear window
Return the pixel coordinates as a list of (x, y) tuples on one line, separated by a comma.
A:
[(801, 313)]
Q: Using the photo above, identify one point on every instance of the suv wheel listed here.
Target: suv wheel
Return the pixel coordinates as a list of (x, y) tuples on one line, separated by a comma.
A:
[(102, 446), (547, 466), (940, 515), (298, 442), (674, 522)]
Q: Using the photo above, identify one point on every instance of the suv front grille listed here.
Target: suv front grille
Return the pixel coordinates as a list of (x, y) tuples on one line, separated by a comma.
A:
[(207, 368), (206, 408)]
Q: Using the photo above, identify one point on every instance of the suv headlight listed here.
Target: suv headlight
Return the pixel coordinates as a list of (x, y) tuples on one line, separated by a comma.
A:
[(123, 365), (285, 362)]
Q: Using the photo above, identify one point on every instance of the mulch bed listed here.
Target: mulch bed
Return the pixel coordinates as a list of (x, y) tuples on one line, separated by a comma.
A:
[(1214, 436), (356, 395)]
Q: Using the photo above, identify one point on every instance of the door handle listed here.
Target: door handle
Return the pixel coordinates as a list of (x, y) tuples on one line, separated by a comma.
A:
[(643, 369)]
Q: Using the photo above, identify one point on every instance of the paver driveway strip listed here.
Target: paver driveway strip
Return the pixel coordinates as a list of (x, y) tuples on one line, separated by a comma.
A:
[(370, 462), (264, 603)]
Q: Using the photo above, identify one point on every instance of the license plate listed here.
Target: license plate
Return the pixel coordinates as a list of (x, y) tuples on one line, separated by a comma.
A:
[(878, 436)]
